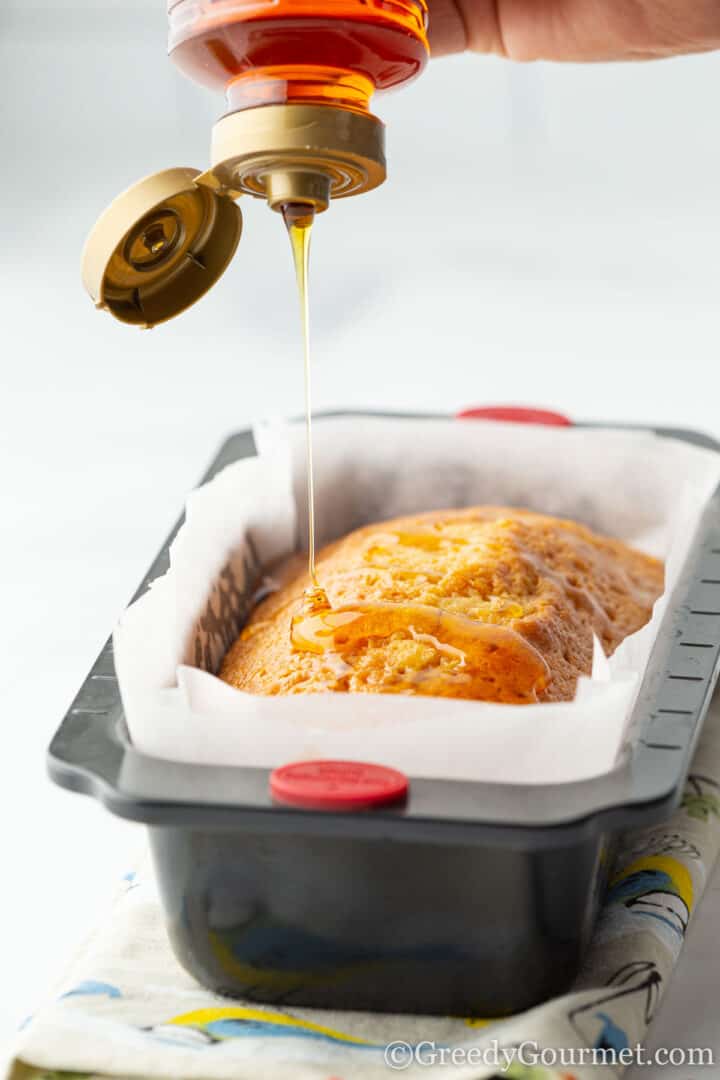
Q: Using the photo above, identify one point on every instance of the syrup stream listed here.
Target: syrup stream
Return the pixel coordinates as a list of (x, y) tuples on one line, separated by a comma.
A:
[(299, 219)]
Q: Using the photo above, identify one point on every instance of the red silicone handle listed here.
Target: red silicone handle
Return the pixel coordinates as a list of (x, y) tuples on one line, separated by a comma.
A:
[(515, 414), (337, 785)]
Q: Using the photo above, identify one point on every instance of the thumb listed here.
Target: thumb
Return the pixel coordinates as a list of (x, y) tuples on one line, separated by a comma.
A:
[(456, 25), (447, 28)]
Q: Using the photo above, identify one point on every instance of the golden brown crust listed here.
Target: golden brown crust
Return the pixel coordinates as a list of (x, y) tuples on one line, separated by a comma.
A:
[(549, 584)]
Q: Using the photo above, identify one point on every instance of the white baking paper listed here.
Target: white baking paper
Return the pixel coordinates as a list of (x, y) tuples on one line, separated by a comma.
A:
[(646, 490)]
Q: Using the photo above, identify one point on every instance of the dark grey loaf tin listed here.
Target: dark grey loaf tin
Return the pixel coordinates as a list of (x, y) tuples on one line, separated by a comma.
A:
[(469, 899)]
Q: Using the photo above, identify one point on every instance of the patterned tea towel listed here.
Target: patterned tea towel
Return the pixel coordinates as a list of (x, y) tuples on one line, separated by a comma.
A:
[(128, 1009)]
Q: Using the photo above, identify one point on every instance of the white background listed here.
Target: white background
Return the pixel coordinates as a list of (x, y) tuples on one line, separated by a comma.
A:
[(547, 236)]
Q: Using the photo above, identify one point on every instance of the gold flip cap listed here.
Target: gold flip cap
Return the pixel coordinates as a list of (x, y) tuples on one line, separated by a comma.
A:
[(167, 239), (159, 247)]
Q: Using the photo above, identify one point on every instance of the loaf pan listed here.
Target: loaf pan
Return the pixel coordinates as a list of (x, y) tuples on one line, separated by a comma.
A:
[(466, 899)]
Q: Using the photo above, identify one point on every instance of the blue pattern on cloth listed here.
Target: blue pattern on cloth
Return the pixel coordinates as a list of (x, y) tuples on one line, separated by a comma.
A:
[(91, 987)]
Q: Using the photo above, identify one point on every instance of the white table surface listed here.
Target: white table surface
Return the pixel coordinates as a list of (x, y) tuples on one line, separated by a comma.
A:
[(549, 236)]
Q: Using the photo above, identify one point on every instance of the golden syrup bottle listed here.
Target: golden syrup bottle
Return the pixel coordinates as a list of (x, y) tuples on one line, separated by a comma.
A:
[(327, 52), (298, 76)]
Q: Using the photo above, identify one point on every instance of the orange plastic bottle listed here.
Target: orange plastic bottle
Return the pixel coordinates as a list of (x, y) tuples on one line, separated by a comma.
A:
[(334, 52)]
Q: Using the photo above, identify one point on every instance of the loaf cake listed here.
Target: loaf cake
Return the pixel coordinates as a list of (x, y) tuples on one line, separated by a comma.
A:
[(487, 603)]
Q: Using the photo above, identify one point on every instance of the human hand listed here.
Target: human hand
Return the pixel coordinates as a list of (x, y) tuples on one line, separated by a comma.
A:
[(575, 29)]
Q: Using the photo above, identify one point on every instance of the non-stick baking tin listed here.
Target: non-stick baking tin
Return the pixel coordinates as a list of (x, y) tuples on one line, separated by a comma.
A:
[(468, 899)]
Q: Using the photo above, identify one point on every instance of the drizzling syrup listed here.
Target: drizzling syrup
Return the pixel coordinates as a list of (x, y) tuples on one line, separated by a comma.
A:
[(494, 662), (466, 650), (299, 219)]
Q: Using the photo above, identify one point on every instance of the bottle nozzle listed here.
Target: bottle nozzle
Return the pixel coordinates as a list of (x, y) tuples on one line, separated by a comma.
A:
[(292, 186)]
